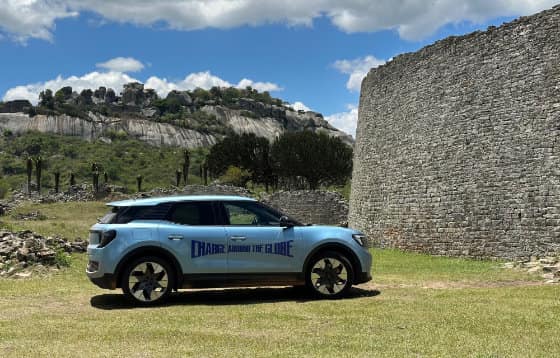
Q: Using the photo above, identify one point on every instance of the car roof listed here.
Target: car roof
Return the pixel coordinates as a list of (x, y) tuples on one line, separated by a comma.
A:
[(174, 199)]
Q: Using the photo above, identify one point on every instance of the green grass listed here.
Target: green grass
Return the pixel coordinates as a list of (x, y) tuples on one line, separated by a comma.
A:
[(68, 220), (417, 305)]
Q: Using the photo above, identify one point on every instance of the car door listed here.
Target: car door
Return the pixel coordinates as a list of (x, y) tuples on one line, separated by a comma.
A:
[(255, 241), (194, 236)]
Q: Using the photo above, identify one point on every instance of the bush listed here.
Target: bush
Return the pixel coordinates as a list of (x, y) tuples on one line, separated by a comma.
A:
[(235, 176), (62, 258)]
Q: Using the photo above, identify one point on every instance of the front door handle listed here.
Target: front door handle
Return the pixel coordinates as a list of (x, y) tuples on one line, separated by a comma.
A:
[(238, 238), (175, 237)]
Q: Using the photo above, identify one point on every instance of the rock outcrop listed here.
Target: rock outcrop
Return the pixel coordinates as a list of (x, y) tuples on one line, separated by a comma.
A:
[(177, 120), (98, 126)]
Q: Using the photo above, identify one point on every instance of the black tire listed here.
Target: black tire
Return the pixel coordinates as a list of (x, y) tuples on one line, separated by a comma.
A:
[(147, 280), (329, 275)]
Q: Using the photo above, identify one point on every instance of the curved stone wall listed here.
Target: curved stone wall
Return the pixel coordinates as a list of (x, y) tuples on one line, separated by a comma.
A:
[(458, 147)]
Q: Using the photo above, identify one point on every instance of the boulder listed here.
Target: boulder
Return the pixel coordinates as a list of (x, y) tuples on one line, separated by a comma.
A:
[(19, 105), (182, 97)]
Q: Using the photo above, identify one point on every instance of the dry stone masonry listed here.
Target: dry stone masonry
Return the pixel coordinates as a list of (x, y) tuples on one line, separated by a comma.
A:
[(457, 149), (310, 206)]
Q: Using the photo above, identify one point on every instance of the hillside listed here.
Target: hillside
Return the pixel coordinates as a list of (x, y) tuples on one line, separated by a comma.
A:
[(188, 119), (123, 160)]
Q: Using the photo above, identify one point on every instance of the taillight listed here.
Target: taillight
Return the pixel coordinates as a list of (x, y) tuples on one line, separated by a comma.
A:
[(107, 237)]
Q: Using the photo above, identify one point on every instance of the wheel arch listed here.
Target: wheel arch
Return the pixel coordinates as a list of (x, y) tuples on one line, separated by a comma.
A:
[(150, 251), (338, 247)]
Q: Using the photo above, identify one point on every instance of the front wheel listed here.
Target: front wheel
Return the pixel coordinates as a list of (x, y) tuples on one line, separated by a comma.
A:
[(330, 275), (147, 281)]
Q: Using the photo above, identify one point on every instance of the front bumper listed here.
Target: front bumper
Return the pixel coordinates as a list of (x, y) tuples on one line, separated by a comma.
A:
[(107, 281), (363, 277)]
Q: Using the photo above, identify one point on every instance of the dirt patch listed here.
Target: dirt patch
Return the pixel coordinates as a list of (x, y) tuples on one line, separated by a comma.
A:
[(445, 285)]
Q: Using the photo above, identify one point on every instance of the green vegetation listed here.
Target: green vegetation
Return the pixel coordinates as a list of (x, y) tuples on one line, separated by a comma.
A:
[(68, 220), (246, 152), (123, 160), (235, 176), (318, 158), (300, 159), (417, 305)]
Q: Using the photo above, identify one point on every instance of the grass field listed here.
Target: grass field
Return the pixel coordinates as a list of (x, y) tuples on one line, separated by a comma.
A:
[(417, 305)]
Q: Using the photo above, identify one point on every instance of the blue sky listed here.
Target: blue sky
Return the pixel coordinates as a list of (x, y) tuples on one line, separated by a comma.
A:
[(312, 54)]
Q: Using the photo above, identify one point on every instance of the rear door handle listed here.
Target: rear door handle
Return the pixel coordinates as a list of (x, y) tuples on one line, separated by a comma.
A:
[(175, 237), (238, 238)]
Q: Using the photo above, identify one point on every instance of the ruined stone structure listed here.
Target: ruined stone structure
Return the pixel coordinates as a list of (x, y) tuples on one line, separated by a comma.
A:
[(310, 206), (458, 147)]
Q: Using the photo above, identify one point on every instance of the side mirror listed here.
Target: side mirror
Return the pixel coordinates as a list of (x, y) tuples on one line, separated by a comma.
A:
[(286, 222)]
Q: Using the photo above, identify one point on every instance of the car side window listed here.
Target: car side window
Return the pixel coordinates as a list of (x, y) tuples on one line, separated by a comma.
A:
[(192, 213), (250, 214)]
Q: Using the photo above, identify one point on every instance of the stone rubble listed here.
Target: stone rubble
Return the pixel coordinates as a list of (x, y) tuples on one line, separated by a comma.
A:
[(30, 216), (24, 253), (548, 267)]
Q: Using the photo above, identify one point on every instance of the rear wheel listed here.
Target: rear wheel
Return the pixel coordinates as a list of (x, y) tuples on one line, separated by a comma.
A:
[(329, 275), (147, 280)]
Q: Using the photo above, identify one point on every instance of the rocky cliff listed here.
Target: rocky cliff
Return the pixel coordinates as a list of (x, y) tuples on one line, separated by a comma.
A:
[(185, 119)]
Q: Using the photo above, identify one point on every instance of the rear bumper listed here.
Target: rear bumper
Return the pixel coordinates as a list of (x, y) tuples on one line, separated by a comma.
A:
[(107, 281), (363, 277)]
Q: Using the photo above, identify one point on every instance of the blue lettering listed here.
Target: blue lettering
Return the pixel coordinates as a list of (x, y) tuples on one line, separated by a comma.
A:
[(199, 249)]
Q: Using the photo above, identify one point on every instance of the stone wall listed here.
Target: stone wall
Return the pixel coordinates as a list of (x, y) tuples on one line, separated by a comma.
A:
[(457, 148), (313, 207)]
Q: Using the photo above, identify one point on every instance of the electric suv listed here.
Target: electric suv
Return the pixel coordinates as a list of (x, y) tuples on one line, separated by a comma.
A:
[(150, 247)]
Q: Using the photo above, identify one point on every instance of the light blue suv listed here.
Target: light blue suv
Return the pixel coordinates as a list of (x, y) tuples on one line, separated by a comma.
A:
[(149, 247)]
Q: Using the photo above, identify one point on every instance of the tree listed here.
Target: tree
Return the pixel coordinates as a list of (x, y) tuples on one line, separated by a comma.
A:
[(29, 167), (317, 158), (46, 99), (246, 152), (62, 95), (38, 168), (186, 165)]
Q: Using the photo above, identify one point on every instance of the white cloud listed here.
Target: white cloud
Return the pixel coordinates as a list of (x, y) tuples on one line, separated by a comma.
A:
[(22, 19), (92, 80), (345, 121), (357, 69), (300, 106), (205, 80), (116, 80), (122, 64), (259, 86), (413, 19)]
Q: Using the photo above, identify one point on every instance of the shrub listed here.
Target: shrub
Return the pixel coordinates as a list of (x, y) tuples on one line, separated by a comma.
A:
[(62, 258), (235, 176)]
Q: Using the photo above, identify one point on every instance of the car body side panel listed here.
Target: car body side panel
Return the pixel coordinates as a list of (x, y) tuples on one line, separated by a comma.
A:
[(263, 249), (199, 249), (321, 236), (129, 237)]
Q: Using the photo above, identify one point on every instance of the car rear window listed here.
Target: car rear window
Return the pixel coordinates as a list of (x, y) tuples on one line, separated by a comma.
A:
[(126, 214), (193, 213)]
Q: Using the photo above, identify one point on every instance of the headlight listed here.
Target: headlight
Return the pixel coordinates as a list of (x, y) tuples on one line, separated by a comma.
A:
[(359, 238)]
